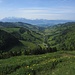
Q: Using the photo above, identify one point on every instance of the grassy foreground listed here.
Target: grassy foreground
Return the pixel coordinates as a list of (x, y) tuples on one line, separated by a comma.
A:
[(58, 63)]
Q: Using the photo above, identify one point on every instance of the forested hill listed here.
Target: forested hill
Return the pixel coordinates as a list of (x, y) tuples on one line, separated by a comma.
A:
[(22, 38), (61, 36), (20, 24), (7, 41)]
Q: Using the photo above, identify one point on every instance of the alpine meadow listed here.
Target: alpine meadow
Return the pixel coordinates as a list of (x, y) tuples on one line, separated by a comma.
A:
[(37, 37)]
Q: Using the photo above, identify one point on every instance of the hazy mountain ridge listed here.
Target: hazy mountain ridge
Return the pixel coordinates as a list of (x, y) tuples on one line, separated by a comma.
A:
[(37, 22)]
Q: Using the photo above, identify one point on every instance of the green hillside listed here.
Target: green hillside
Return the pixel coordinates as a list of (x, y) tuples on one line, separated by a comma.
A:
[(19, 24), (25, 34), (61, 36), (7, 41), (31, 41)]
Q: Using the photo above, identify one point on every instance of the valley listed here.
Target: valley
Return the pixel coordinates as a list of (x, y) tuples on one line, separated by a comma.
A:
[(26, 49)]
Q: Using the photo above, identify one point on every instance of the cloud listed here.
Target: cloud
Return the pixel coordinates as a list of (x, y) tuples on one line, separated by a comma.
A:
[(30, 10), (40, 13), (46, 10)]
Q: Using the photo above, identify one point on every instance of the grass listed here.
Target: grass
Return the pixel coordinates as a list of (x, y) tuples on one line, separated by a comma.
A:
[(58, 63), (29, 45), (10, 30)]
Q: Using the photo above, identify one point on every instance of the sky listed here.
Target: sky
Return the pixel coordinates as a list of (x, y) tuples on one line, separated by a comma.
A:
[(38, 9)]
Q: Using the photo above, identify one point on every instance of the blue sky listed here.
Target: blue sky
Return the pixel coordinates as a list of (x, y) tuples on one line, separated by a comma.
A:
[(38, 9)]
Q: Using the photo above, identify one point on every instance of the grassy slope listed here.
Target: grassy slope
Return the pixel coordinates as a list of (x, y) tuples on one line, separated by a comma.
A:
[(59, 63)]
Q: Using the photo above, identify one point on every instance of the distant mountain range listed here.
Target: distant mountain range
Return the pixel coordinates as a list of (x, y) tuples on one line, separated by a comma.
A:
[(38, 22)]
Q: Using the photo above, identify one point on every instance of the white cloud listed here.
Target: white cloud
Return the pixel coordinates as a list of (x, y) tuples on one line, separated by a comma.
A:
[(40, 13), (47, 10), (27, 11)]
